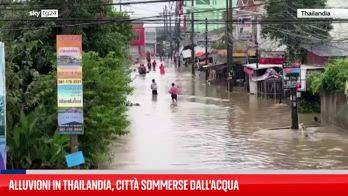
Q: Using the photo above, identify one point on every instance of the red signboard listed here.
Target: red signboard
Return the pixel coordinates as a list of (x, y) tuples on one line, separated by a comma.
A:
[(274, 60), (138, 37)]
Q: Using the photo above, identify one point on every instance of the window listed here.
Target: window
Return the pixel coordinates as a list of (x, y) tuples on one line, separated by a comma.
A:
[(150, 36), (135, 36), (203, 2)]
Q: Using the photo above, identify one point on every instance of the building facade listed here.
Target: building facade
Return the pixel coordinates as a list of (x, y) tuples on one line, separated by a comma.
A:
[(137, 46), (213, 10), (150, 40)]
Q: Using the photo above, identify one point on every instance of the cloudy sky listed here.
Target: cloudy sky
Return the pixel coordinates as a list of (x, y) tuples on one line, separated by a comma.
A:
[(143, 10)]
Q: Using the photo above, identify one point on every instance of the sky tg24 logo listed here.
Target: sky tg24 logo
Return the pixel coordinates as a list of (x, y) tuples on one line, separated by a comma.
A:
[(52, 13)]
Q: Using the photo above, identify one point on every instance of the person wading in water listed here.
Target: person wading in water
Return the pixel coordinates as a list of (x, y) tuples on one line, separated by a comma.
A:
[(154, 87), (162, 70), (154, 64), (174, 91)]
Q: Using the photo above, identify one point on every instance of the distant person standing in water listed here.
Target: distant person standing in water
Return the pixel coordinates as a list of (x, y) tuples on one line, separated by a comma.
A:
[(162, 70), (154, 87), (154, 64), (174, 91)]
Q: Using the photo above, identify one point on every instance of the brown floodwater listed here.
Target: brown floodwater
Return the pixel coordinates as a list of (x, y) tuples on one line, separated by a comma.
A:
[(210, 128)]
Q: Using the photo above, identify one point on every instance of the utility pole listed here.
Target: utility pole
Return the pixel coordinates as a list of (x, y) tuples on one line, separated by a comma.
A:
[(120, 5), (293, 89), (166, 19), (227, 15), (192, 37), (206, 41), (175, 47), (229, 26), (66, 30), (206, 47), (170, 34), (179, 35), (257, 46)]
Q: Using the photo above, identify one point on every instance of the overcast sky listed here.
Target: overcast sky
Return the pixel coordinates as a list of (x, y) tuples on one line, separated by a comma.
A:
[(143, 10)]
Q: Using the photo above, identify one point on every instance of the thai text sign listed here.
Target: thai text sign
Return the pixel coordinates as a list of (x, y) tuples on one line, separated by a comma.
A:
[(69, 84), (2, 108), (245, 29)]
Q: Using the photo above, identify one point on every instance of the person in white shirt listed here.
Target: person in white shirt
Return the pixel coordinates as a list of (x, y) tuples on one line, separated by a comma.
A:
[(154, 87)]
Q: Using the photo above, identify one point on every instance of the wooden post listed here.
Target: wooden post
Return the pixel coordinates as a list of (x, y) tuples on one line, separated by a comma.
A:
[(192, 37), (67, 30)]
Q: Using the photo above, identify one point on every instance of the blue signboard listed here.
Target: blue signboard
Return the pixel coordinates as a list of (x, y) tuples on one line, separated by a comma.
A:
[(75, 159), (292, 71)]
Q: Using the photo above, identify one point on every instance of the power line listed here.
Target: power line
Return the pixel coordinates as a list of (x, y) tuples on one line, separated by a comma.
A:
[(105, 4), (112, 4)]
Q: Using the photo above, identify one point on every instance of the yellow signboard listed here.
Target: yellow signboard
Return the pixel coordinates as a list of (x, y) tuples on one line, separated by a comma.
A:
[(346, 89)]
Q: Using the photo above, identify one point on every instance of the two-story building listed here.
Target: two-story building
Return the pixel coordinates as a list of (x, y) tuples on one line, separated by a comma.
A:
[(211, 9), (137, 47), (150, 40)]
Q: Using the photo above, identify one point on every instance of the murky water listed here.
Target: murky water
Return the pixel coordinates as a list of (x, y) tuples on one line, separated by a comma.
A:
[(213, 129)]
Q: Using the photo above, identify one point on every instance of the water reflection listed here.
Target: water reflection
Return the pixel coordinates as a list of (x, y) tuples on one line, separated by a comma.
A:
[(210, 128), (154, 98)]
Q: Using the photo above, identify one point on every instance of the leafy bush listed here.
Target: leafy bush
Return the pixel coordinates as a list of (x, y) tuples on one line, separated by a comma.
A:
[(32, 147), (332, 79), (105, 95), (305, 106)]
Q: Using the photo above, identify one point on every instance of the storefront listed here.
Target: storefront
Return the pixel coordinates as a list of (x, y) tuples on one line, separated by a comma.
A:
[(257, 73)]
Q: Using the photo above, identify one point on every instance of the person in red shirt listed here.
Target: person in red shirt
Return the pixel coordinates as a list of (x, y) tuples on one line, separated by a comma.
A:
[(142, 69), (174, 91), (162, 69)]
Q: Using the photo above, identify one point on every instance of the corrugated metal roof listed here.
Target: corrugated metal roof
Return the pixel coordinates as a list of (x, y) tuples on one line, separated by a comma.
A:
[(330, 49)]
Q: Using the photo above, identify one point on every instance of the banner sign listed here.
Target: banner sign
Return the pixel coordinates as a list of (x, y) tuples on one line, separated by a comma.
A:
[(245, 28), (292, 71), (69, 84), (138, 38), (292, 75), (2, 108), (174, 184)]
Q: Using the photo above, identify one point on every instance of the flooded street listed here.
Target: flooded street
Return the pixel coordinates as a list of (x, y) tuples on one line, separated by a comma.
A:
[(213, 129)]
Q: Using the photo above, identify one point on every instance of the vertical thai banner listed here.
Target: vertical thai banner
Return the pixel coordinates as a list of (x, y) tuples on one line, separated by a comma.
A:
[(245, 28), (70, 89), (2, 108)]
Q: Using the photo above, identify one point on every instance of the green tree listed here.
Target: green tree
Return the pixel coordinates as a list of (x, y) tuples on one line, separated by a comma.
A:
[(332, 79), (105, 94), (31, 81), (293, 34)]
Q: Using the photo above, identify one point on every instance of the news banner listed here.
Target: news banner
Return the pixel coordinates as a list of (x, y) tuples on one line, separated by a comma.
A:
[(195, 182)]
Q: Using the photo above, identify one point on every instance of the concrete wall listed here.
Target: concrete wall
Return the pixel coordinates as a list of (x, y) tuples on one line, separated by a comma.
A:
[(334, 109)]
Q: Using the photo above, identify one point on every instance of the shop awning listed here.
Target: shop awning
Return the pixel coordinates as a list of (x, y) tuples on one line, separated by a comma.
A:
[(237, 54), (255, 66), (216, 66)]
